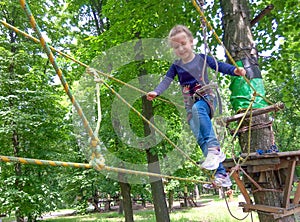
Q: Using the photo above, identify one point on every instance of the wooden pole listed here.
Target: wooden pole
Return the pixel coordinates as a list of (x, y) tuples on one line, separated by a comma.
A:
[(262, 14), (256, 112)]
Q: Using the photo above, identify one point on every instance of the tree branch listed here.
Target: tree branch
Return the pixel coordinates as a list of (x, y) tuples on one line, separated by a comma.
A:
[(256, 112), (263, 13)]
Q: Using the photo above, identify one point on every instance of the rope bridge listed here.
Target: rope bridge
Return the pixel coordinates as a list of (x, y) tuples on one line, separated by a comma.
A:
[(97, 160), (31, 161)]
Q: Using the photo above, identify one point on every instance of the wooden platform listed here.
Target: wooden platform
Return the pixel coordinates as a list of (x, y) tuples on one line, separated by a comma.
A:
[(256, 163), (266, 162)]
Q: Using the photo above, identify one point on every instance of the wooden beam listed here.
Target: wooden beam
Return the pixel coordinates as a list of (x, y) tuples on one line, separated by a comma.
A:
[(264, 208), (277, 212), (297, 195), (287, 213), (263, 168), (262, 14), (256, 112), (241, 187), (254, 155), (228, 163), (288, 184), (266, 159)]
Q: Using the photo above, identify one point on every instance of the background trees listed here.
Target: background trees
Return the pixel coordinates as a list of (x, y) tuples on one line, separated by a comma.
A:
[(35, 118), (33, 121)]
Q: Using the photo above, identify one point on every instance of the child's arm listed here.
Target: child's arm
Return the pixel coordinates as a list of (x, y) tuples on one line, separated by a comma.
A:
[(224, 67), (162, 86)]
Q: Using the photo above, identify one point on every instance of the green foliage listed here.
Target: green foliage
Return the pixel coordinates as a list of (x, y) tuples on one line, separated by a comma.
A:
[(85, 185), (35, 111), (281, 69), (33, 121)]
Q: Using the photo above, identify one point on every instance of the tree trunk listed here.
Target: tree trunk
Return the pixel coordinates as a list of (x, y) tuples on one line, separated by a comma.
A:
[(126, 198), (170, 199), (239, 42), (185, 197), (157, 188), (121, 209)]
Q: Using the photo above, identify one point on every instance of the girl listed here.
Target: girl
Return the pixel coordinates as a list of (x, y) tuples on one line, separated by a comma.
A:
[(199, 101)]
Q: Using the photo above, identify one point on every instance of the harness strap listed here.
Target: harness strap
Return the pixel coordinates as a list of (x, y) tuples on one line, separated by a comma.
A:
[(206, 93)]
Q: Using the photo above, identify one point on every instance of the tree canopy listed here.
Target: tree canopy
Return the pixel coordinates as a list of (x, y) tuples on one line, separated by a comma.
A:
[(36, 118)]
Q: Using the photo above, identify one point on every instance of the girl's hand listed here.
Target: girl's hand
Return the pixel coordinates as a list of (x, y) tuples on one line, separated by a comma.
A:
[(151, 95), (240, 71)]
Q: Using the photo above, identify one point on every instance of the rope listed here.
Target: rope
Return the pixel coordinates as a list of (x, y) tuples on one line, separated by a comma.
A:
[(228, 208), (30, 161), (81, 63), (94, 72), (249, 135), (97, 160), (255, 126), (99, 163), (98, 105), (43, 162)]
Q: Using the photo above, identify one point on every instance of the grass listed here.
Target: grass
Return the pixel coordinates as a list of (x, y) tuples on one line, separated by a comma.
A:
[(211, 209)]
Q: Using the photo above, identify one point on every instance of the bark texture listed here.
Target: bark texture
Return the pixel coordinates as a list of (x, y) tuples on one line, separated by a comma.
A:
[(239, 42), (157, 187), (126, 198)]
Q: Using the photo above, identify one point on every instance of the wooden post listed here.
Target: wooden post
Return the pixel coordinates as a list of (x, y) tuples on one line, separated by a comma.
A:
[(297, 195)]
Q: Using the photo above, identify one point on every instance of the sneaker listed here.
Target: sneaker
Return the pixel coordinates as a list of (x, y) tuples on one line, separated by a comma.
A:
[(213, 159), (222, 181), (209, 186)]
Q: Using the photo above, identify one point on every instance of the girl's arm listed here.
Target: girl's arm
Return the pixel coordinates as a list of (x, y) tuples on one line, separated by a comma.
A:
[(224, 67), (162, 86)]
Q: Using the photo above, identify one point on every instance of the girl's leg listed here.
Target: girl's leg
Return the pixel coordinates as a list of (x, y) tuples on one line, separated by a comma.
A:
[(203, 131), (201, 126)]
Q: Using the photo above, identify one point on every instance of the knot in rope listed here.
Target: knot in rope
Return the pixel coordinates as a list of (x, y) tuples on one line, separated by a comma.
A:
[(93, 72), (97, 160), (97, 80), (93, 142), (98, 164)]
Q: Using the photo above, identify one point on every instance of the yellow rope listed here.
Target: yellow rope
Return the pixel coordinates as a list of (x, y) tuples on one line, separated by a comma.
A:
[(97, 159), (89, 166), (81, 63), (98, 72)]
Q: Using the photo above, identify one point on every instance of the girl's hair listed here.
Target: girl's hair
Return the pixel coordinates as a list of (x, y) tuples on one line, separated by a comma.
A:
[(178, 29)]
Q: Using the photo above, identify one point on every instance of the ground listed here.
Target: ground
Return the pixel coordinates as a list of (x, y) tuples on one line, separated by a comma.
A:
[(207, 208)]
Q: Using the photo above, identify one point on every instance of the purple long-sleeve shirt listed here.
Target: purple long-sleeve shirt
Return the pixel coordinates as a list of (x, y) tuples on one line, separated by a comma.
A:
[(191, 75)]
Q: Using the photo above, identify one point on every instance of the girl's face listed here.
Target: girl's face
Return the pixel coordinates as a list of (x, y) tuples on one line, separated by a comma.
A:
[(183, 46)]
